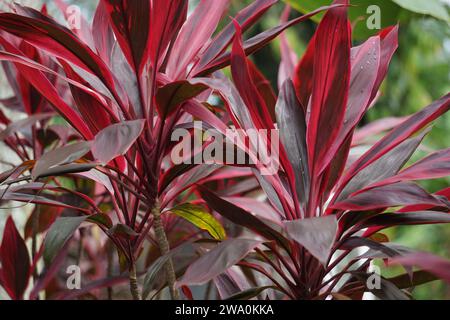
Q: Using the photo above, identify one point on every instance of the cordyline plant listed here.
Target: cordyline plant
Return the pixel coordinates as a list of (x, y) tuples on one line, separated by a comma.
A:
[(101, 104)]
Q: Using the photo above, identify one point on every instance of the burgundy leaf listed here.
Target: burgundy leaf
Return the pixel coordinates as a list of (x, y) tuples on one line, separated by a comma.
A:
[(317, 235), (385, 167), (257, 42), (246, 18), (217, 261), (94, 112), (426, 261), (131, 24), (46, 34), (15, 262), (166, 20), (245, 85), (264, 88), (436, 165), (292, 126), (63, 155), (116, 139), (388, 46), (194, 34), (241, 217), (398, 194), (331, 82), (172, 95), (400, 133), (409, 218), (303, 78), (365, 61)]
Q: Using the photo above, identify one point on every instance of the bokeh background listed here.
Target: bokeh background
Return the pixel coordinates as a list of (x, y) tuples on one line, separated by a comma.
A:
[(419, 74)]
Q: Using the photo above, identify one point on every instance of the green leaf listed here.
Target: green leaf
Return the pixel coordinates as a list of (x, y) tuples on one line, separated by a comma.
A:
[(433, 8), (202, 219), (60, 232)]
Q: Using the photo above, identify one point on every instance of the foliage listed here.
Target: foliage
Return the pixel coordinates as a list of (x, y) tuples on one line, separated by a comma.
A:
[(101, 104)]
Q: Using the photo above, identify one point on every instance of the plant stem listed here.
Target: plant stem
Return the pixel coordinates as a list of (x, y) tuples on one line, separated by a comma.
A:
[(133, 283), (164, 248)]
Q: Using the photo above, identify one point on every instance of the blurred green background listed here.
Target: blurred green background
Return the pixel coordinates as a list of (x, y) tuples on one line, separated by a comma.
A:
[(419, 74)]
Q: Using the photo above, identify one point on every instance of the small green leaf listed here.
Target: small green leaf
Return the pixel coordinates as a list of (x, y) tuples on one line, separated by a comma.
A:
[(201, 219), (60, 232)]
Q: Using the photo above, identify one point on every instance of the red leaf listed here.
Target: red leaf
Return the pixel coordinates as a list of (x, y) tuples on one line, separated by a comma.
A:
[(264, 88), (103, 35), (194, 34), (245, 85), (399, 194), (46, 88), (388, 46), (436, 165), (46, 34), (400, 133), (426, 261), (166, 20), (15, 262), (257, 42), (304, 75), (331, 82), (365, 64), (246, 18), (131, 24), (187, 292), (92, 110)]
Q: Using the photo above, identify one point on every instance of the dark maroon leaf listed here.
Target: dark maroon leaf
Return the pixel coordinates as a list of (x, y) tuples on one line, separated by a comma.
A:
[(131, 24), (15, 262), (116, 139), (64, 155), (217, 261), (426, 261), (292, 126), (317, 235), (241, 217), (398, 194), (387, 166)]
